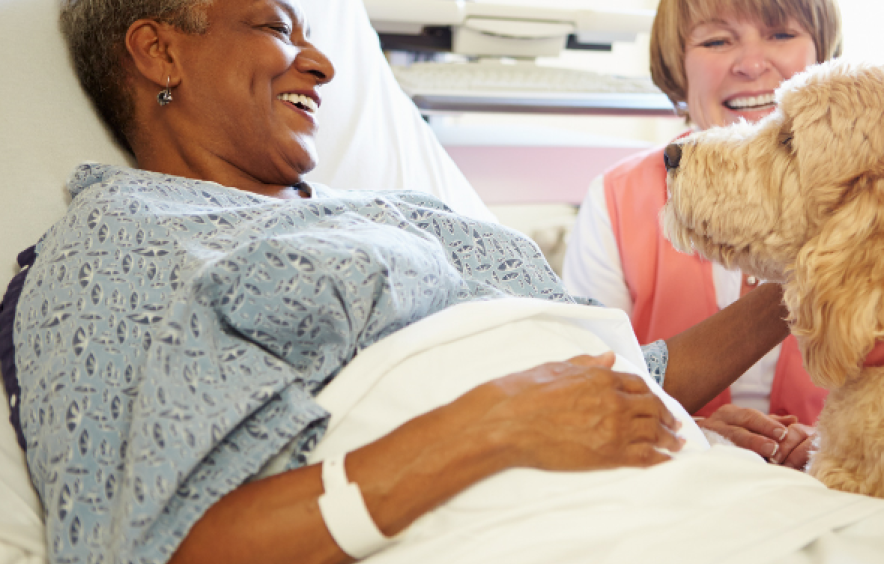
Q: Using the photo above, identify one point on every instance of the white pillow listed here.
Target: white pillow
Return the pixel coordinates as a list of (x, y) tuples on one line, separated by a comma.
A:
[(21, 528), (371, 135)]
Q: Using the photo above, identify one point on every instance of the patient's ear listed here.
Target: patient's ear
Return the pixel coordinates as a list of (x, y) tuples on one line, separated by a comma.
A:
[(835, 290), (151, 47)]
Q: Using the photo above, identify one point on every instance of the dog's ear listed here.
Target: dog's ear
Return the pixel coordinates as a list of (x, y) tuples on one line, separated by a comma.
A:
[(834, 113), (835, 289)]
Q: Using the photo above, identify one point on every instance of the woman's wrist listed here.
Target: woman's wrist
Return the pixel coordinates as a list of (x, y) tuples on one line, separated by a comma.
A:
[(708, 357)]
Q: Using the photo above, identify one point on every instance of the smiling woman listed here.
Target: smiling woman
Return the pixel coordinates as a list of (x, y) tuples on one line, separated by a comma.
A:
[(240, 116)]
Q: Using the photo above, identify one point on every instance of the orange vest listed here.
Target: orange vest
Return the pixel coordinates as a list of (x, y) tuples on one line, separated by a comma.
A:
[(672, 291)]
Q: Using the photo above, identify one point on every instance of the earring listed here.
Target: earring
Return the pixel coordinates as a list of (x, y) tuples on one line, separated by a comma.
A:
[(165, 95)]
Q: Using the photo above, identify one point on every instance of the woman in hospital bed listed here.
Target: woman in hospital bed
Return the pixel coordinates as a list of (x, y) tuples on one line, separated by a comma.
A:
[(179, 322)]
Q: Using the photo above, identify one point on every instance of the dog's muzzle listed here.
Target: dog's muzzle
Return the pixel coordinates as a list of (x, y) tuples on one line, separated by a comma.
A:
[(672, 156)]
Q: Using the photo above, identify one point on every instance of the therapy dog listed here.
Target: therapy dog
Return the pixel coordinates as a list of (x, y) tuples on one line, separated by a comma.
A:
[(798, 198)]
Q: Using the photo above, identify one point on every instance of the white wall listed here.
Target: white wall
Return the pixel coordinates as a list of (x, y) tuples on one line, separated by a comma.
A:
[(863, 23), (863, 33), (621, 4)]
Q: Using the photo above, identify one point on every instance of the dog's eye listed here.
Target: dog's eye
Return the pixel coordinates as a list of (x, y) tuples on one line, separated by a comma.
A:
[(787, 141)]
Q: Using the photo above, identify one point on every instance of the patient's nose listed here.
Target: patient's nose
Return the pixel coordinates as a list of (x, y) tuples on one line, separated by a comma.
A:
[(672, 156)]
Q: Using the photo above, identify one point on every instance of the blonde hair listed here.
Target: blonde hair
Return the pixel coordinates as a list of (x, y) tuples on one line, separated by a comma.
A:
[(676, 19)]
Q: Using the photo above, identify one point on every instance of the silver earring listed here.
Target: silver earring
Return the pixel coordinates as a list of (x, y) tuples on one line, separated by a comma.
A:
[(165, 95)]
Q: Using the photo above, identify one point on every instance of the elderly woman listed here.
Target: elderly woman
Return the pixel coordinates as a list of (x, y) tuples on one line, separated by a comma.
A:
[(719, 62), (176, 325)]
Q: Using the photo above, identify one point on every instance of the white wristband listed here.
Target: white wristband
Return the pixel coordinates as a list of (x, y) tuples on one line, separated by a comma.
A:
[(345, 514)]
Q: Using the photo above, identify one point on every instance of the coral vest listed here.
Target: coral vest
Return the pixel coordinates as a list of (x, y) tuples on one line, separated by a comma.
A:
[(672, 291)]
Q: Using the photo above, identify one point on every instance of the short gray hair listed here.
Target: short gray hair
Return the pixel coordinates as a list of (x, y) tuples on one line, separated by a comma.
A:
[(95, 31)]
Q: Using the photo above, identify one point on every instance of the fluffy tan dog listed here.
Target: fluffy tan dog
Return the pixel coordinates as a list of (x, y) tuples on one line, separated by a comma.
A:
[(799, 198)]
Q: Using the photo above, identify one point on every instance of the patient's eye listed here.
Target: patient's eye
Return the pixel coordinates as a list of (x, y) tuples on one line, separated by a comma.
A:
[(281, 29)]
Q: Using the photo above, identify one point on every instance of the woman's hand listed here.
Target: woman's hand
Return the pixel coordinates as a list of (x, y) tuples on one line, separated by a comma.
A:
[(748, 428), (580, 414), (778, 438), (794, 451)]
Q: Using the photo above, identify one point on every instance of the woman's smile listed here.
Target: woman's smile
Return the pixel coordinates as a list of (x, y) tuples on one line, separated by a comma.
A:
[(751, 102), (733, 67), (751, 106)]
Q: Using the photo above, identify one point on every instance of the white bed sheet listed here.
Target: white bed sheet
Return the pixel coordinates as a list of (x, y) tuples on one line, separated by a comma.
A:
[(709, 505)]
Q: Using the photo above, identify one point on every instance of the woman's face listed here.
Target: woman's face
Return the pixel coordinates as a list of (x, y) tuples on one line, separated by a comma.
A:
[(733, 67), (248, 90)]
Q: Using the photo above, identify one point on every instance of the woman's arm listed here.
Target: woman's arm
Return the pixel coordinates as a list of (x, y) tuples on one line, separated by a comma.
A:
[(574, 415), (708, 357)]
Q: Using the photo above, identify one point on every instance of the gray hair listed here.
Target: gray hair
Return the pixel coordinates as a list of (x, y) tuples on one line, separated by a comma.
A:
[(95, 31)]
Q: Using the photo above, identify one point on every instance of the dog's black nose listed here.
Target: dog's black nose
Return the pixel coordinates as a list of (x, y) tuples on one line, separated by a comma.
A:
[(672, 156)]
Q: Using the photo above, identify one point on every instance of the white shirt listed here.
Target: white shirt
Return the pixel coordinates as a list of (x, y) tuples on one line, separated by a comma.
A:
[(592, 268)]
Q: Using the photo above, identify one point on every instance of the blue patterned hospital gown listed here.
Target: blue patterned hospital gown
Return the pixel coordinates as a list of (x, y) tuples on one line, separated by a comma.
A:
[(172, 334)]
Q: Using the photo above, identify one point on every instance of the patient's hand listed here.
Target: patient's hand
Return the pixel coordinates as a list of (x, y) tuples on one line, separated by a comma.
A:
[(771, 436), (580, 414), (573, 415)]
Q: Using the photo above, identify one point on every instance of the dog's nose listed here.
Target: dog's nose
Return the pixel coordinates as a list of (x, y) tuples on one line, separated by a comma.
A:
[(672, 156)]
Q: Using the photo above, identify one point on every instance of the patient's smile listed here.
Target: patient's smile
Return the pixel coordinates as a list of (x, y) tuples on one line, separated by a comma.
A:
[(300, 101)]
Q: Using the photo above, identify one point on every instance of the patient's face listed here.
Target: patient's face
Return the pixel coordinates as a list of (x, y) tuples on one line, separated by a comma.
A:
[(251, 82)]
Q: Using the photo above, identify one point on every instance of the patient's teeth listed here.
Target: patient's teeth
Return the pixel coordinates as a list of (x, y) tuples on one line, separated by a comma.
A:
[(305, 102)]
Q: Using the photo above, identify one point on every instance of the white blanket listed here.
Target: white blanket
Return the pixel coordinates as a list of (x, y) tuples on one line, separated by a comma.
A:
[(709, 505)]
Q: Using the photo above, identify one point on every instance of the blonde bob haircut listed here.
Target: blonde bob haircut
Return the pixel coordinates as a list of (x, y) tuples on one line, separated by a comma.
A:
[(676, 19)]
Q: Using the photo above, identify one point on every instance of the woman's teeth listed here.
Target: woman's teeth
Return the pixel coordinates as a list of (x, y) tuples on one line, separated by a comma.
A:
[(752, 102), (303, 102)]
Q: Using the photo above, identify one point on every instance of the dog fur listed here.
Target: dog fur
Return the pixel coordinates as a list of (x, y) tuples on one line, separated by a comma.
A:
[(798, 198)]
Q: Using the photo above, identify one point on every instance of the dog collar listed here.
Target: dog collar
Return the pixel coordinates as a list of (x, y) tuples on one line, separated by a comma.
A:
[(876, 356)]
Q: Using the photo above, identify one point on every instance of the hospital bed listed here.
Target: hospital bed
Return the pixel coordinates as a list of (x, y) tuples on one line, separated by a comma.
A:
[(719, 504)]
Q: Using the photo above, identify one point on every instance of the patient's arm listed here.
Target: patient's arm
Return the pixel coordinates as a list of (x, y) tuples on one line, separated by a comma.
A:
[(559, 416), (710, 356)]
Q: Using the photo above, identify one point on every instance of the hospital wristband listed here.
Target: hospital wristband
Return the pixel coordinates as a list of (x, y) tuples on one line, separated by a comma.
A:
[(345, 513)]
